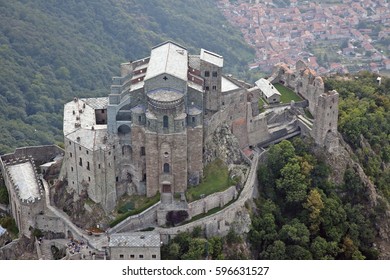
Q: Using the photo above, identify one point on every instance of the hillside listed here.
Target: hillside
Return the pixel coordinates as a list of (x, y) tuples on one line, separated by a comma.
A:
[(51, 51)]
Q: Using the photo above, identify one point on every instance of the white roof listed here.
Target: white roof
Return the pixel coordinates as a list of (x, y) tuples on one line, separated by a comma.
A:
[(168, 58), (86, 118), (135, 239), (24, 179), (227, 85), (211, 57), (267, 88)]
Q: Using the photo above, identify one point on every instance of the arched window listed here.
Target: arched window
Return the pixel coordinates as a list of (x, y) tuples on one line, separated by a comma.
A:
[(165, 122), (166, 167)]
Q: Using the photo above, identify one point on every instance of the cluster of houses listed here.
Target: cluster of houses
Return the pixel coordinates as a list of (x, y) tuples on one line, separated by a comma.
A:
[(284, 34)]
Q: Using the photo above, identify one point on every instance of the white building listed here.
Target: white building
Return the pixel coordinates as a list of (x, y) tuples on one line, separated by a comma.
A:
[(268, 91)]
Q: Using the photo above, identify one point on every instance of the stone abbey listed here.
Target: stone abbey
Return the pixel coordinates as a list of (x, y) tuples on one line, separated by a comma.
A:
[(166, 117), (147, 136)]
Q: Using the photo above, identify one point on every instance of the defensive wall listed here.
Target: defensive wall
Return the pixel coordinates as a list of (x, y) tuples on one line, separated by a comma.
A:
[(219, 223)]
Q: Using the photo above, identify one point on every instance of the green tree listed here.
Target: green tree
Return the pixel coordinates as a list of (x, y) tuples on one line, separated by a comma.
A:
[(293, 183), (333, 219), (350, 250), (295, 233), (196, 250), (215, 248), (263, 232), (275, 251), (314, 205), (296, 252), (279, 155), (323, 250)]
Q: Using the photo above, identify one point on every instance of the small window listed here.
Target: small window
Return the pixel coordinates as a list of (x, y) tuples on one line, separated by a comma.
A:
[(117, 179), (142, 151), (131, 256), (207, 88), (154, 256), (87, 152), (141, 256), (99, 165), (88, 168), (121, 256), (81, 162), (70, 155), (139, 119), (70, 143), (166, 168), (89, 179), (79, 148), (71, 169), (193, 119), (215, 74), (214, 87), (165, 122), (206, 73)]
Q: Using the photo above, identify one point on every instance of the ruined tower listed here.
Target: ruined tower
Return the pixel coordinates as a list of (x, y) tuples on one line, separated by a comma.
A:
[(325, 123)]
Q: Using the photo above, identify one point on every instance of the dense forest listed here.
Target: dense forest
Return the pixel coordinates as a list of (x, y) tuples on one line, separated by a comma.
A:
[(364, 114), (303, 215), (51, 51)]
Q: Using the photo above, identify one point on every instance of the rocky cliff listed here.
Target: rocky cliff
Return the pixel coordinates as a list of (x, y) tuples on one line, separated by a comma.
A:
[(340, 159)]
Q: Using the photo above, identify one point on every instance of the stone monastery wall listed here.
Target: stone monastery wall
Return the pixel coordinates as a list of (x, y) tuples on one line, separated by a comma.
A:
[(219, 199)]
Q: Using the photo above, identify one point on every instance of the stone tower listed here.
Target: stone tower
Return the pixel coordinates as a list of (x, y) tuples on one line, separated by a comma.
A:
[(211, 70), (325, 123)]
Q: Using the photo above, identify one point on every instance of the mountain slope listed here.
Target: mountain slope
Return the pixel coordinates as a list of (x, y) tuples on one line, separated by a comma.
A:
[(52, 50)]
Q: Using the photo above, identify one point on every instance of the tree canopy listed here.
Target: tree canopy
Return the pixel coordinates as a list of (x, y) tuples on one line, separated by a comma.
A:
[(302, 215)]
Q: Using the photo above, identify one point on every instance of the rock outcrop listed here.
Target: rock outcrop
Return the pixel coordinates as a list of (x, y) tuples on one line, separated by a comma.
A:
[(224, 145), (19, 249)]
